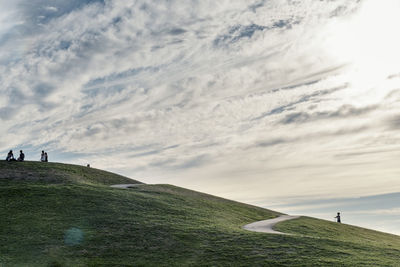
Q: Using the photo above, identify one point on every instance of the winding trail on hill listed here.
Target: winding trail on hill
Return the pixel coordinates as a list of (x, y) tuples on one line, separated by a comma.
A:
[(266, 226), (124, 186)]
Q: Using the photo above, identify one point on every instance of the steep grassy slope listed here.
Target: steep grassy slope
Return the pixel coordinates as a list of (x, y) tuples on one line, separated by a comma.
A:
[(78, 220), (350, 245)]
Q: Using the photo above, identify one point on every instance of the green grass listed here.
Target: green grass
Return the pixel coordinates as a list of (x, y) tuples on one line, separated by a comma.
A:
[(59, 173), (65, 215)]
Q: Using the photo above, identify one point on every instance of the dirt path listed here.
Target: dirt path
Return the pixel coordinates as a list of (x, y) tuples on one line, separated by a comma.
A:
[(124, 186), (266, 226)]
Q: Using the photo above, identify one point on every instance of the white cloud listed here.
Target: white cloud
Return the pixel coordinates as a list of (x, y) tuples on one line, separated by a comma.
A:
[(51, 8), (195, 94)]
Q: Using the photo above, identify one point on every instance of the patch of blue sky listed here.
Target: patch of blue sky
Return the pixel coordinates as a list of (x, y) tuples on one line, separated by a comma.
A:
[(101, 81), (255, 6), (42, 11), (239, 32), (116, 82), (103, 90)]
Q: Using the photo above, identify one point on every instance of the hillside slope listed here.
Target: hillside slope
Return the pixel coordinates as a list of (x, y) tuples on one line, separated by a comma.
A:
[(48, 172), (78, 220)]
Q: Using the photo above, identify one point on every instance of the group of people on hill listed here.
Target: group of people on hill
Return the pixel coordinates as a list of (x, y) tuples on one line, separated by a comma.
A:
[(10, 156)]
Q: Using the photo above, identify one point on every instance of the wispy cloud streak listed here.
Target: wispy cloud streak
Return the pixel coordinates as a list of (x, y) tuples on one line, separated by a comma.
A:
[(225, 97)]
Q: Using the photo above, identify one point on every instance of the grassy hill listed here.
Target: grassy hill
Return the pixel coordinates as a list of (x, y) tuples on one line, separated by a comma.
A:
[(65, 215)]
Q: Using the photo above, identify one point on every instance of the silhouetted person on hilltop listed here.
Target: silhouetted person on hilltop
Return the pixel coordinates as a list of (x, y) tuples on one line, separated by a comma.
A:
[(46, 159), (21, 156), (42, 157), (338, 218), (10, 156)]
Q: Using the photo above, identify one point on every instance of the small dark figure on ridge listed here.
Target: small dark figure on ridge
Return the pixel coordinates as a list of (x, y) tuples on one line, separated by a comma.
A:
[(10, 156), (42, 157), (46, 159), (338, 217), (21, 156)]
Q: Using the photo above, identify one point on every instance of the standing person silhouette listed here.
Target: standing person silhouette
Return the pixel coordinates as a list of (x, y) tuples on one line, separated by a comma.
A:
[(338, 218), (46, 159), (42, 157)]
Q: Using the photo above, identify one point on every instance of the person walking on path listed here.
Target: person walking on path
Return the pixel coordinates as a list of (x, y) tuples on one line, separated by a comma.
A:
[(338, 218), (21, 156)]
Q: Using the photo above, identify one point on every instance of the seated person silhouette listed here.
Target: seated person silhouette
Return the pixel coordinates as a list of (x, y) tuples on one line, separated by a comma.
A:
[(21, 156), (10, 156)]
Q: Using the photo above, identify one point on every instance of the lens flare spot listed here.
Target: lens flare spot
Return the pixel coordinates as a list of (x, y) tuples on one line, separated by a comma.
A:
[(73, 236)]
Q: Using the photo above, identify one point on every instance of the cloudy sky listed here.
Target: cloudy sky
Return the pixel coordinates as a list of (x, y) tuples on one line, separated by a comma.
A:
[(270, 102)]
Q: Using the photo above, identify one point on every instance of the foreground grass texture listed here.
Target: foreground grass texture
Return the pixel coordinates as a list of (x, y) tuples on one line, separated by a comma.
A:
[(64, 215)]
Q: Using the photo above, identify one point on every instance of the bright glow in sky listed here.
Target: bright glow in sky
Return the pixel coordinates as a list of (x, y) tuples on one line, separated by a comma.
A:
[(259, 101)]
